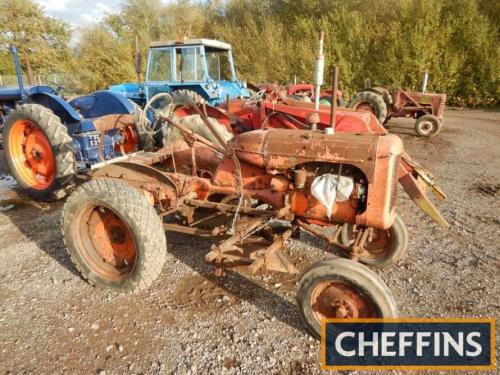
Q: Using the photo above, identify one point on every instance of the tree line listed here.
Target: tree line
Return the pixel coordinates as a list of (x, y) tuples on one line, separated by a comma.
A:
[(391, 42)]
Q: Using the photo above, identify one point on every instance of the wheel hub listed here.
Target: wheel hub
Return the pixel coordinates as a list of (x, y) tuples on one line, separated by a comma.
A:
[(426, 127), (335, 299), (111, 237)]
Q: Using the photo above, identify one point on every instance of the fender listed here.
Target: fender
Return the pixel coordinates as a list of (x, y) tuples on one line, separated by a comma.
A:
[(102, 103), (135, 174), (59, 106)]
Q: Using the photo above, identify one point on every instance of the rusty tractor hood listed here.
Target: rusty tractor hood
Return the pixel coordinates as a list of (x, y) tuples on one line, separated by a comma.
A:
[(281, 149)]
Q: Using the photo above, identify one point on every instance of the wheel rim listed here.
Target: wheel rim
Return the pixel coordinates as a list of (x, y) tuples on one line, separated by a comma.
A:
[(364, 106), (130, 140), (106, 243), (338, 299), (426, 127), (32, 154)]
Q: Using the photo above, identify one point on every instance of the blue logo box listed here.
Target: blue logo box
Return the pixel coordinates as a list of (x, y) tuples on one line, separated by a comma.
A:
[(408, 344)]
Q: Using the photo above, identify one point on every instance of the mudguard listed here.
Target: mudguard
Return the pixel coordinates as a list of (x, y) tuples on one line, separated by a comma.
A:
[(102, 103), (59, 106)]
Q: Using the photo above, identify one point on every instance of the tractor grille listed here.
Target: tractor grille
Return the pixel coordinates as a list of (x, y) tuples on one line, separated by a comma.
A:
[(441, 106), (394, 182)]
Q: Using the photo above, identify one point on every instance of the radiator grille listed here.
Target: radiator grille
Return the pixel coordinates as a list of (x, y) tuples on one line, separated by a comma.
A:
[(394, 182)]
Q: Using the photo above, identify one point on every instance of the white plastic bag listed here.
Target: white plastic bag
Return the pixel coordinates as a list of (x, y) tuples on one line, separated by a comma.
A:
[(329, 188)]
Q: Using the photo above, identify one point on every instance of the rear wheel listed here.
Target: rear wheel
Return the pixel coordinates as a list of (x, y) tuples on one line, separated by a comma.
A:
[(186, 97), (38, 150), (428, 125), (371, 102), (196, 124), (114, 236), (342, 288), (385, 246)]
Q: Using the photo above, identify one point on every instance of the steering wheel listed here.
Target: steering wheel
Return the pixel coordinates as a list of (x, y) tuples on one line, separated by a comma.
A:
[(59, 82), (163, 105)]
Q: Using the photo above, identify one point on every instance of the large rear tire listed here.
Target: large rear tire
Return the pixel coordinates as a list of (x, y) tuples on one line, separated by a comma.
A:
[(114, 236), (371, 102), (38, 150), (342, 288), (186, 97), (196, 124)]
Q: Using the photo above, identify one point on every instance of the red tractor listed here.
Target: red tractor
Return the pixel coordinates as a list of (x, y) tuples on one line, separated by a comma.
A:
[(298, 91), (426, 108), (249, 175)]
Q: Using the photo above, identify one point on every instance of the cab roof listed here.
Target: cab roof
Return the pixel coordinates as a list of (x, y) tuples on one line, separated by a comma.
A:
[(192, 42)]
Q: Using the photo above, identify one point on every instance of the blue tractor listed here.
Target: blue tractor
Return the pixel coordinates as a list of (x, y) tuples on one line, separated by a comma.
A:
[(47, 140), (194, 68)]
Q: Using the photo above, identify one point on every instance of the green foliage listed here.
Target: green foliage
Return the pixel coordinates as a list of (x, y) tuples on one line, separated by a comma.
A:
[(45, 39), (102, 59), (392, 42)]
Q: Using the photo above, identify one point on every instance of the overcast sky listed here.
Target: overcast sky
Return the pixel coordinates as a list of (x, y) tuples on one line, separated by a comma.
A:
[(79, 12)]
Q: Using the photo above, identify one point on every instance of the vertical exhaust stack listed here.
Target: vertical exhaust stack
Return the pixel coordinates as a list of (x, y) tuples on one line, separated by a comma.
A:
[(424, 82), (15, 56), (138, 60), (335, 83), (319, 67)]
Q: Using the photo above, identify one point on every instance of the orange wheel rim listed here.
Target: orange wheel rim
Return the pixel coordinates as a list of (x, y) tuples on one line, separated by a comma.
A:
[(32, 154), (106, 243), (130, 140), (337, 299)]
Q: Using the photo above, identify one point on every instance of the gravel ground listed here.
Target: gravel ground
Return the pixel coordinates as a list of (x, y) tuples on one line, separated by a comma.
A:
[(188, 323)]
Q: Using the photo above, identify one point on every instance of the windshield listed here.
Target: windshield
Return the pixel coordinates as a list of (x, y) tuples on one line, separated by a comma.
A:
[(218, 64), (159, 66), (188, 67)]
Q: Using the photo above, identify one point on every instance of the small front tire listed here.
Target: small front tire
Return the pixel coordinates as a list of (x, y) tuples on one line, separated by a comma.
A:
[(387, 246), (428, 126), (342, 288)]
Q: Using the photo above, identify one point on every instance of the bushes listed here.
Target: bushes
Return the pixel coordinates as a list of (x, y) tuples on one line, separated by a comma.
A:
[(392, 42)]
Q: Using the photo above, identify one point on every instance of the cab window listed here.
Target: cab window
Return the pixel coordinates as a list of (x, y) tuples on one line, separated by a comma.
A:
[(188, 65), (218, 64), (159, 66)]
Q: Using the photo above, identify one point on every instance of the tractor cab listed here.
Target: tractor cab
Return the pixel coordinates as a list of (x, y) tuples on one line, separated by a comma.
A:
[(202, 66)]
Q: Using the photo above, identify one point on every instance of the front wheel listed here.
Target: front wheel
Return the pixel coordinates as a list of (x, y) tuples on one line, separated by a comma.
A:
[(114, 236), (428, 125), (342, 288), (385, 247)]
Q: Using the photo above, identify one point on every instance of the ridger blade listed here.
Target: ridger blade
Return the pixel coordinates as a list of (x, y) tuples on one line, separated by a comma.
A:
[(417, 195)]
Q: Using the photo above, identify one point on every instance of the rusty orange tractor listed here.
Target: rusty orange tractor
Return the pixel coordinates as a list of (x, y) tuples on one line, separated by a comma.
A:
[(426, 108), (249, 191)]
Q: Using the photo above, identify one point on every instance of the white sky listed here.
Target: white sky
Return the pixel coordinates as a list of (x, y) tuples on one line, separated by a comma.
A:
[(79, 12)]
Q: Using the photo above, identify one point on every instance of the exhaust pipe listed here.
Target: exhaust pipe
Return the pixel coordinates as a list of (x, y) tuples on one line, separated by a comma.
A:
[(424, 82), (15, 56), (318, 71)]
